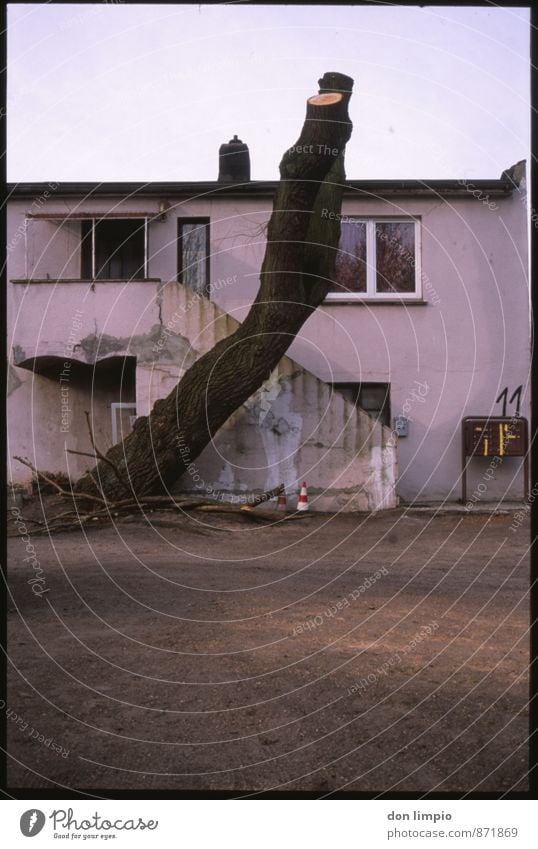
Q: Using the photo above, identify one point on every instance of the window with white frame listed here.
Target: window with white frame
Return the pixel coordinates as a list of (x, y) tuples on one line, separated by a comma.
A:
[(377, 259)]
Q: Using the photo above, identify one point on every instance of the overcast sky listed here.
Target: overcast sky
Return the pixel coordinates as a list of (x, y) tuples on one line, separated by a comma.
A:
[(117, 92)]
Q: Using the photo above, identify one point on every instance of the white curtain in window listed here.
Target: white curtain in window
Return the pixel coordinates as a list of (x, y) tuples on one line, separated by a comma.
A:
[(194, 257)]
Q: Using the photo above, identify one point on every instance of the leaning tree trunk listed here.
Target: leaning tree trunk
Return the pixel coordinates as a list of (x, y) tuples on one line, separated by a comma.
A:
[(295, 278)]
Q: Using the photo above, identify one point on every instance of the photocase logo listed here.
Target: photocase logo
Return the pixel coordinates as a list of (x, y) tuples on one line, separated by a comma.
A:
[(32, 822)]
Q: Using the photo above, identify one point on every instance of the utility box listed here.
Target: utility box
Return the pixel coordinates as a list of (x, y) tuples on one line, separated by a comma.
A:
[(401, 425)]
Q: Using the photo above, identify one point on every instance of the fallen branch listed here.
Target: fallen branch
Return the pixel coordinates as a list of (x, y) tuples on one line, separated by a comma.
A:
[(106, 511), (266, 496), (83, 496)]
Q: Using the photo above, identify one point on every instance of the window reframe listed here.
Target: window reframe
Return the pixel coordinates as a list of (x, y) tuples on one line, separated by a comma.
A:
[(371, 295)]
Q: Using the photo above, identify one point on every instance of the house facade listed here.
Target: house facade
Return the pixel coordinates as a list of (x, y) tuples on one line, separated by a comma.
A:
[(114, 290)]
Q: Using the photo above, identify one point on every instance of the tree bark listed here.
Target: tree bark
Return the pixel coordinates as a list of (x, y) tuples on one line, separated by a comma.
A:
[(295, 278)]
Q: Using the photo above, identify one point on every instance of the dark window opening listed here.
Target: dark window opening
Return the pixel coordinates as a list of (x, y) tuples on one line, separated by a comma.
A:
[(373, 398), (113, 249), (193, 254), (119, 375)]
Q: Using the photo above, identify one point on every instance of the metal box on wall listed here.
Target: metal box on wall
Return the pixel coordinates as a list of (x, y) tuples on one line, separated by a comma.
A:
[(493, 436)]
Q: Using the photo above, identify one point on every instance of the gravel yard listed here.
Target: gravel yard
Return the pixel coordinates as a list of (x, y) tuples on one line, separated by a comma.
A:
[(360, 652)]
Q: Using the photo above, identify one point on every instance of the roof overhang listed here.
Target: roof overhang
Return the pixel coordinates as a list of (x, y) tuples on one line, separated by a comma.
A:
[(256, 188)]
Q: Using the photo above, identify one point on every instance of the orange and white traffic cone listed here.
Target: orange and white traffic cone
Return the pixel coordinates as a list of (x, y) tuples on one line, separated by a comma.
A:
[(302, 504), (282, 503)]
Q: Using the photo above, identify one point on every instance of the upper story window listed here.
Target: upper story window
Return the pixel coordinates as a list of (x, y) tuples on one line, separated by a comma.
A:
[(75, 246), (377, 259), (193, 254), (114, 249)]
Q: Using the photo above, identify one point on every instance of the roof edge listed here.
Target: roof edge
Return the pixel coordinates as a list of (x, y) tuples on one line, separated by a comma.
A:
[(503, 186)]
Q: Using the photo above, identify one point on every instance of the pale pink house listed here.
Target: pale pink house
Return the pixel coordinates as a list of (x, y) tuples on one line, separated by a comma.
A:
[(115, 289)]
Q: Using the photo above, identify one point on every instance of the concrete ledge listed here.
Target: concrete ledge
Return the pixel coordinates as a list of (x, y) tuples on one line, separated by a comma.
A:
[(491, 507)]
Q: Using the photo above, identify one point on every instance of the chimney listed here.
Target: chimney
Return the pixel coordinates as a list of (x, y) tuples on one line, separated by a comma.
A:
[(234, 162)]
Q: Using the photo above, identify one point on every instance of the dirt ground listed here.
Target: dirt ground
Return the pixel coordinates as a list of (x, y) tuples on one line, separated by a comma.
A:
[(373, 653)]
